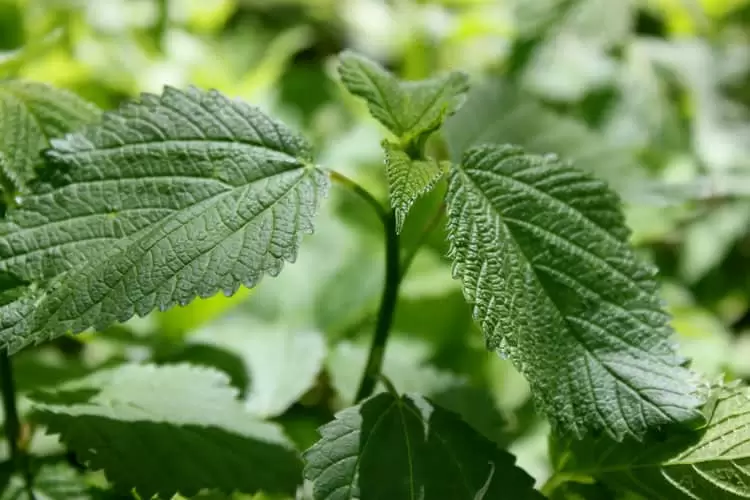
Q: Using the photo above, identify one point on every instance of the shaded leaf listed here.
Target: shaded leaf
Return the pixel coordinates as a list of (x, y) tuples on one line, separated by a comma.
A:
[(408, 109), (408, 179), (542, 252), (713, 463), (174, 197), (406, 447), (169, 429)]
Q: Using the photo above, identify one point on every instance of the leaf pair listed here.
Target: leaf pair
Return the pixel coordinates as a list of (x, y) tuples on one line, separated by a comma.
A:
[(412, 111)]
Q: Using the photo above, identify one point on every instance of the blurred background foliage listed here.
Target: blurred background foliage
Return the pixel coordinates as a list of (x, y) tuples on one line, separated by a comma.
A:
[(651, 95)]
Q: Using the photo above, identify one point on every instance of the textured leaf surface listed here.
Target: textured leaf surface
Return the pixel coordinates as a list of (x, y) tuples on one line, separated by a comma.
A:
[(30, 114), (713, 463), (408, 109), (169, 429), (282, 363), (542, 252), (170, 198), (408, 448), (408, 179), (50, 482)]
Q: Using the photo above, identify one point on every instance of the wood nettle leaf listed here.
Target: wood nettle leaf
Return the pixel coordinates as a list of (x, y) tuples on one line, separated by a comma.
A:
[(30, 114), (542, 251), (173, 197), (407, 448), (712, 463), (169, 429), (408, 179), (409, 109)]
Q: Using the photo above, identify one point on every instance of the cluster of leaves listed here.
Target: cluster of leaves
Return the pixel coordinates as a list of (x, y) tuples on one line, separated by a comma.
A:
[(186, 194)]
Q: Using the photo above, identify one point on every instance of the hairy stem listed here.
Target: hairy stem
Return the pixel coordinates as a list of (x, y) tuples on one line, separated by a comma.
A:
[(385, 314), (12, 422)]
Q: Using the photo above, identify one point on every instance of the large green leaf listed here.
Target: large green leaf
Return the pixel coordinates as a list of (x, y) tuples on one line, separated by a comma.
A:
[(408, 179), (167, 199), (713, 463), (169, 429), (407, 448), (30, 114), (409, 109), (542, 252)]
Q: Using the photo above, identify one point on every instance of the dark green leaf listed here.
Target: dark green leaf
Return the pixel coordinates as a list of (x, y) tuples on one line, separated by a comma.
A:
[(406, 448), (542, 251), (170, 429)]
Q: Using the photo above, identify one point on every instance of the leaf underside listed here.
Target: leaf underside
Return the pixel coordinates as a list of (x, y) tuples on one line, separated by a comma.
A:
[(714, 463), (542, 251), (408, 180), (169, 429), (408, 109), (176, 196), (406, 447)]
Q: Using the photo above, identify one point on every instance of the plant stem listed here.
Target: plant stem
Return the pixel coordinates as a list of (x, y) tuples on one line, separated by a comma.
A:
[(385, 314), (12, 422), (362, 193)]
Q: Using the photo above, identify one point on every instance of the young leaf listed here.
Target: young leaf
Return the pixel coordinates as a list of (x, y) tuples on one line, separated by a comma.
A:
[(169, 429), (30, 114), (410, 110), (51, 481), (406, 447), (408, 179), (712, 463), (542, 252), (171, 198)]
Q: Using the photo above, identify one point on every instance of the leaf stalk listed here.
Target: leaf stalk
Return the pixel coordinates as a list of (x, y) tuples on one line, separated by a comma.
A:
[(12, 421)]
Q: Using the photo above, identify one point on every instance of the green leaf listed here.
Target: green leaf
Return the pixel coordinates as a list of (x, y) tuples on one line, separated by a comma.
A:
[(713, 463), (408, 179), (542, 252), (30, 114), (497, 112), (410, 110), (51, 481), (180, 421), (171, 198), (406, 447), (282, 363)]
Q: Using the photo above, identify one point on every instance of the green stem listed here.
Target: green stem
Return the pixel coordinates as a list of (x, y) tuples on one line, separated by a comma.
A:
[(362, 193), (12, 422), (386, 312)]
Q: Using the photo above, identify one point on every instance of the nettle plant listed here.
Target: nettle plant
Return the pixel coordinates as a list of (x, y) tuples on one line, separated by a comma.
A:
[(190, 193)]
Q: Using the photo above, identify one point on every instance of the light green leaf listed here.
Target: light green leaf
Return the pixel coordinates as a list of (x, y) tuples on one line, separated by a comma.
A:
[(30, 114), (410, 110), (406, 447), (166, 430), (50, 482), (174, 197), (542, 252), (282, 363), (497, 112), (408, 179), (713, 463)]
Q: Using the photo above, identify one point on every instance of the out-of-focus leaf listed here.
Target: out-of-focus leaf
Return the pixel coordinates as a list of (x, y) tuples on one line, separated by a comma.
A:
[(281, 363), (50, 482)]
